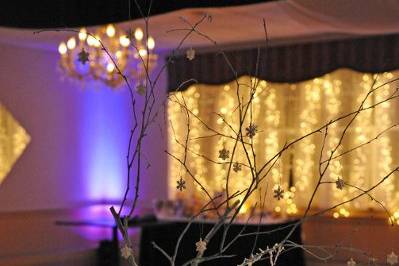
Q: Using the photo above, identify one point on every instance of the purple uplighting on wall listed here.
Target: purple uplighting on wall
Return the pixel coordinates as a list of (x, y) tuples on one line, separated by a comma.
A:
[(104, 126)]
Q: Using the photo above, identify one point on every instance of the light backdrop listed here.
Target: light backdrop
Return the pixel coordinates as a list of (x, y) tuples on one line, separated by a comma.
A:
[(284, 112)]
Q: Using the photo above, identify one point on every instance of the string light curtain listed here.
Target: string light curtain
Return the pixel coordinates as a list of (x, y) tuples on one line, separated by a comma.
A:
[(283, 112)]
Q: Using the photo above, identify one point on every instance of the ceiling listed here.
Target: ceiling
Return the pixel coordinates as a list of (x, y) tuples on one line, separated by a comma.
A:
[(77, 13), (287, 21)]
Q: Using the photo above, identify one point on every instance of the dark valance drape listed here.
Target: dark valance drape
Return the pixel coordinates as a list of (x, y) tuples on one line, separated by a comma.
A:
[(288, 63)]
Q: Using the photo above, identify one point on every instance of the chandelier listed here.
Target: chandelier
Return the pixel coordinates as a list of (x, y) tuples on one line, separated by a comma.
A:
[(84, 58)]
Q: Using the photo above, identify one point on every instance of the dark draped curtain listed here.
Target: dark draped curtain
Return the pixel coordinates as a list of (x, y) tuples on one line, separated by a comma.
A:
[(287, 63)]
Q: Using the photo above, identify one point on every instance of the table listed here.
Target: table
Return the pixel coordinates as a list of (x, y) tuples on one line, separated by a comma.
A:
[(166, 235), (108, 251)]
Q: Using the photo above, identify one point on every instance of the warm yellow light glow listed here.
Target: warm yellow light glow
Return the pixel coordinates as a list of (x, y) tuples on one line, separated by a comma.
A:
[(150, 43), (110, 30), (91, 40), (138, 34), (82, 34), (142, 52), (103, 42), (96, 42), (124, 41), (110, 67), (62, 48), (284, 112), (243, 209), (71, 44)]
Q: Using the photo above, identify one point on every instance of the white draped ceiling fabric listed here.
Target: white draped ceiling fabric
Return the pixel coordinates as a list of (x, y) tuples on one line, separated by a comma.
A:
[(288, 21)]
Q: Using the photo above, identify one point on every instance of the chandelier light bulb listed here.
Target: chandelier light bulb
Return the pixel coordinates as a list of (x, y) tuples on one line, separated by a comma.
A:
[(110, 30), (124, 41), (90, 40), (97, 41), (109, 40), (71, 44), (150, 43), (138, 34), (82, 34), (142, 52), (110, 67), (62, 48)]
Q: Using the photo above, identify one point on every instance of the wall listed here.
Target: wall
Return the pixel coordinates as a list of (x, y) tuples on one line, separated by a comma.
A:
[(76, 157), (79, 136)]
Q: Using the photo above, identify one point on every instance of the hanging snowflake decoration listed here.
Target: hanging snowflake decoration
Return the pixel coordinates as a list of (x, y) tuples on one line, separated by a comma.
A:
[(224, 154), (181, 184), (236, 167), (190, 54), (83, 56), (126, 252), (392, 258), (140, 89), (200, 246), (252, 129), (351, 262), (340, 183), (278, 193)]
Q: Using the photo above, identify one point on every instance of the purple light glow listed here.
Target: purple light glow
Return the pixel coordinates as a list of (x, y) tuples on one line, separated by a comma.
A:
[(104, 130), (97, 222)]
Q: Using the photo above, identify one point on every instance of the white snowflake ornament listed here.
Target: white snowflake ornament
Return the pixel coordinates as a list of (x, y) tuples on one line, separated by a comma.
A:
[(278, 193), (252, 129), (190, 54), (83, 56), (340, 183), (200, 246), (126, 252), (181, 184), (392, 258), (224, 154), (351, 262), (236, 167)]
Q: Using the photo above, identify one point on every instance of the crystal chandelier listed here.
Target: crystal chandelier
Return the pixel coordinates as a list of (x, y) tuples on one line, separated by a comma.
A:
[(83, 56)]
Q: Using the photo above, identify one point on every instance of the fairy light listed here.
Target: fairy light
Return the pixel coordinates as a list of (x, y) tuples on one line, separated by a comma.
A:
[(196, 162), (332, 93), (271, 121), (383, 146), (175, 129), (316, 101), (362, 125), (304, 164), (224, 106)]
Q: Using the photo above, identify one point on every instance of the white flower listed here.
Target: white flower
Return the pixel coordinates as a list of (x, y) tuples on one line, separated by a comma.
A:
[(190, 54), (126, 252), (351, 262), (200, 246), (392, 258)]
